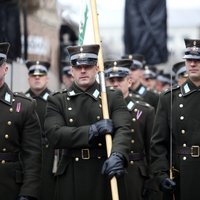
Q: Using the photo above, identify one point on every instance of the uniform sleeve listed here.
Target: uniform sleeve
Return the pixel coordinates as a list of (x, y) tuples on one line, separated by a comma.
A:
[(161, 138), (121, 120), (59, 134), (30, 151)]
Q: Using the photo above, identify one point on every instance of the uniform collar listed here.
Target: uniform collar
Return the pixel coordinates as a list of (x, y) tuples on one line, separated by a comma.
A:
[(93, 91), (141, 90), (188, 87), (44, 94), (6, 94), (130, 103)]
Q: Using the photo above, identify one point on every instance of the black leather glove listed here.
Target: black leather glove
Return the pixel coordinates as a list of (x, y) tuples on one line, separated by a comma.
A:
[(100, 128), (26, 198), (114, 166), (167, 185)]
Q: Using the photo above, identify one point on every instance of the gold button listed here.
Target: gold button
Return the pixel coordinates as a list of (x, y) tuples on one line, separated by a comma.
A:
[(9, 123), (133, 119), (132, 152), (182, 118), (11, 109), (99, 144), (181, 105), (3, 162), (4, 149), (77, 159), (100, 105), (183, 131), (132, 130), (98, 117), (13, 100), (99, 157), (6, 136), (184, 145), (131, 162), (180, 95), (184, 158), (69, 108), (135, 110), (68, 98), (132, 141), (71, 120)]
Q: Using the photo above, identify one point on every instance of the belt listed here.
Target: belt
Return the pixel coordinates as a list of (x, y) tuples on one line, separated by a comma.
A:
[(9, 157), (136, 156), (193, 151), (85, 154)]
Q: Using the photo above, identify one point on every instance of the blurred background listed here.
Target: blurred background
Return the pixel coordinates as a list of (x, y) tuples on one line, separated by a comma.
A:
[(42, 29)]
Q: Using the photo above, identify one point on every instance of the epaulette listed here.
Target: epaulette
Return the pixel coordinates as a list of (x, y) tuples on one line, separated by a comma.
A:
[(143, 103), (175, 87), (22, 95), (59, 92)]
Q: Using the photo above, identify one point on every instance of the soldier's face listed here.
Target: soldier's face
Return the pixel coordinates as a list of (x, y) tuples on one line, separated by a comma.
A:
[(193, 69), (38, 83), (3, 72), (84, 76), (121, 83)]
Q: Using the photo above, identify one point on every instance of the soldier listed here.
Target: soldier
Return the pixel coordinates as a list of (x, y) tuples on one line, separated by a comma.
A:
[(117, 73), (180, 71), (38, 81), (20, 154), (74, 123), (175, 144), (67, 77), (137, 74)]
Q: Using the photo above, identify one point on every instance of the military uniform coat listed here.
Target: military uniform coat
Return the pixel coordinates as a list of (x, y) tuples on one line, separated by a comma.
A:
[(149, 96), (48, 180), (185, 119), (69, 116), (20, 146), (141, 128)]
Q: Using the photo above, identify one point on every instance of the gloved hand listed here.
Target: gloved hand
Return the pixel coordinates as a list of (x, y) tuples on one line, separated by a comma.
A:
[(100, 128), (114, 166), (167, 185)]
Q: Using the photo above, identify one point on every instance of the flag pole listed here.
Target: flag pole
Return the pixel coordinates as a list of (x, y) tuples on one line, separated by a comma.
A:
[(108, 138)]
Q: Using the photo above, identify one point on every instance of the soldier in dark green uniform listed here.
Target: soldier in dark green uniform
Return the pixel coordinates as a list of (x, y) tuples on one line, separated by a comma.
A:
[(20, 146), (38, 81), (118, 75), (175, 144), (137, 87), (74, 123)]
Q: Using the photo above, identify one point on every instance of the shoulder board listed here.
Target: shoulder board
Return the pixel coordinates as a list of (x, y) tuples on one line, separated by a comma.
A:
[(59, 92), (143, 103), (171, 89), (22, 95)]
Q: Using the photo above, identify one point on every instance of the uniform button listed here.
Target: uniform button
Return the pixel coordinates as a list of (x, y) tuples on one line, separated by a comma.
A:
[(181, 105), (4, 149), (133, 119), (13, 100), (69, 108), (68, 98), (184, 158), (77, 159), (132, 141), (6, 136), (132, 130), (132, 152), (131, 162), (99, 144), (184, 145), (3, 162), (71, 120), (98, 117), (181, 117), (11, 109), (9, 123), (183, 131), (100, 105), (99, 157), (180, 95), (135, 110)]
